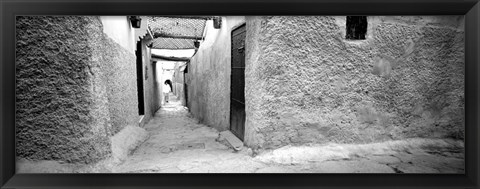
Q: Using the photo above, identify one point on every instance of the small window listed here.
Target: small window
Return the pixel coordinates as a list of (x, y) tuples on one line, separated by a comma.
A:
[(356, 27)]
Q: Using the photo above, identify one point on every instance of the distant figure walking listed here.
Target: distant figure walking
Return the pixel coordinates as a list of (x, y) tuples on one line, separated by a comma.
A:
[(166, 90)]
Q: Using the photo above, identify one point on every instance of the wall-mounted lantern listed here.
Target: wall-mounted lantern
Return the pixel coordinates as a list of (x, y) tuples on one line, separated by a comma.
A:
[(136, 21), (217, 22), (196, 44)]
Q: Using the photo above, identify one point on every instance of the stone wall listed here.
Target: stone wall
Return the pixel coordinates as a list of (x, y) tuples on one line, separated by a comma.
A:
[(76, 88), (306, 84), (209, 75)]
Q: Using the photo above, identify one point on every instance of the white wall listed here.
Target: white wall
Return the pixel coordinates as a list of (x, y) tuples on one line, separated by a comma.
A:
[(120, 30)]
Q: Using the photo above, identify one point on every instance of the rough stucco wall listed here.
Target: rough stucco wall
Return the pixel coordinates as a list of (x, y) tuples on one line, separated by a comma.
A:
[(76, 88), (180, 88), (209, 83), (254, 86), (156, 89), (55, 79), (178, 81), (118, 66), (305, 83), (159, 81)]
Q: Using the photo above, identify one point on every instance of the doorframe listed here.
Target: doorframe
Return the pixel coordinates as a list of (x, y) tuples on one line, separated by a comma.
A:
[(243, 24), (236, 27)]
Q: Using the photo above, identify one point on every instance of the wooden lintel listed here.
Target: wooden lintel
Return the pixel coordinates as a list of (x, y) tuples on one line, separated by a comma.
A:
[(157, 35), (171, 58), (190, 17)]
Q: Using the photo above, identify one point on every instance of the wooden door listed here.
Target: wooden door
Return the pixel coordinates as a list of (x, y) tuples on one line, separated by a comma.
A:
[(237, 96), (141, 100)]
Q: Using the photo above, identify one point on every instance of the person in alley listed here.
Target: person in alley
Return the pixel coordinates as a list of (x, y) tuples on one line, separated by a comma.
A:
[(166, 90)]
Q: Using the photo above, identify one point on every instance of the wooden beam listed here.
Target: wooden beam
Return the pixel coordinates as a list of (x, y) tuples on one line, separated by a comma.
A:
[(172, 48), (171, 58), (157, 35), (189, 17), (149, 32)]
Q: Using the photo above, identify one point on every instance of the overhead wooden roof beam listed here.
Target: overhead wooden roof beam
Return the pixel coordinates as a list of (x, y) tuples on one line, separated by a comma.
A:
[(191, 17), (157, 35), (171, 58)]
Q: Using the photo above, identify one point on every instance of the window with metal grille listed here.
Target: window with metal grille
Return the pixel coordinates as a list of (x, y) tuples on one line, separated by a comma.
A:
[(356, 27)]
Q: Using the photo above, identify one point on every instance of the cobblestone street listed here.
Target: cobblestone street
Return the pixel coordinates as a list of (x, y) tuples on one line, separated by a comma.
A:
[(178, 144)]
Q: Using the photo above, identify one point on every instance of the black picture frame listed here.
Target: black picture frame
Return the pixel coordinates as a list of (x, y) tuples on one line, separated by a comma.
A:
[(9, 9)]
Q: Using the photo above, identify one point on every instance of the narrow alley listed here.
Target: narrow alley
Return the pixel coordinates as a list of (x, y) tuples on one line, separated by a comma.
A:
[(178, 143), (248, 94)]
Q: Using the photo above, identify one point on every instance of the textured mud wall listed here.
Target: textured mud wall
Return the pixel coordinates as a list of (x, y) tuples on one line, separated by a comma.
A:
[(156, 92), (55, 90), (150, 86), (159, 81), (209, 75), (76, 88), (118, 66), (178, 81), (305, 83), (115, 51), (255, 87)]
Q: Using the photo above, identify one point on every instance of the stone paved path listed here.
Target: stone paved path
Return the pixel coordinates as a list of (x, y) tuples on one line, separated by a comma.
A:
[(178, 144)]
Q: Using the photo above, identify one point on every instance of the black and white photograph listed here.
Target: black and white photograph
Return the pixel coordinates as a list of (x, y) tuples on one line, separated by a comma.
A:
[(240, 94)]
